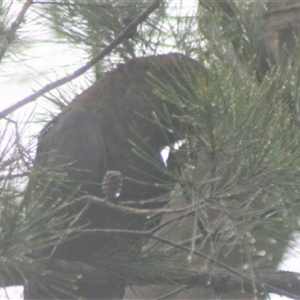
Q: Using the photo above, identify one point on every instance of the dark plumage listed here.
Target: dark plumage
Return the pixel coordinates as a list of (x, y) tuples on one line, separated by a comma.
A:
[(103, 129)]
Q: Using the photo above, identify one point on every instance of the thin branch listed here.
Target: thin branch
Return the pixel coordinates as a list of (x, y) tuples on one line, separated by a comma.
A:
[(13, 176), (220, 281), (149, 234), (11, 33), (131, 210), (122, 36), (172, 293), (79, 215), (261, 284)]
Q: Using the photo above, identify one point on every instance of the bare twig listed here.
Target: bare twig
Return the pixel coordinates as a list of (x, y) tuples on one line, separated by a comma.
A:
[(278, 282), (122, 36), (13, 176), (69, 229), (9, 36), (172, 293), (131, 210), (235, 278)]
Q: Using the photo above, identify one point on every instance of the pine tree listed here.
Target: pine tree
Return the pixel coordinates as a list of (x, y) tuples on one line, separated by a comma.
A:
[(235, 167)]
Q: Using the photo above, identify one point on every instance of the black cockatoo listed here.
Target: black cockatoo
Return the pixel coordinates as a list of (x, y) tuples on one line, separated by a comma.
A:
[(122, 122)]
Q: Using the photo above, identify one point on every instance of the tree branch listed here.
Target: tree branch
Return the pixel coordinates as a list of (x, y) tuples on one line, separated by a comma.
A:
[(10, 35), (122, 36), (220, 281), (131, 210), (239, 277)]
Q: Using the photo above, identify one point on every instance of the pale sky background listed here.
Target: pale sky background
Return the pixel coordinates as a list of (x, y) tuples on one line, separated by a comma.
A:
[(47, 61), (22, 81)]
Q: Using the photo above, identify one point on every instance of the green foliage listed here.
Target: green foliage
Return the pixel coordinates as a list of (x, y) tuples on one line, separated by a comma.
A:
[(239, 163), (249, 173), (93, 25)]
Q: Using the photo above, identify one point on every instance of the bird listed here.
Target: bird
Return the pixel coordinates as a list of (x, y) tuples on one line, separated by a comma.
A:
[(120, 123)]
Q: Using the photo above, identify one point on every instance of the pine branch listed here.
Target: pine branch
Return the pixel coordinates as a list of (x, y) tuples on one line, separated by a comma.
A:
[(11, 33), (220, 281), (132, 210), (107, 50), (282, 15)]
